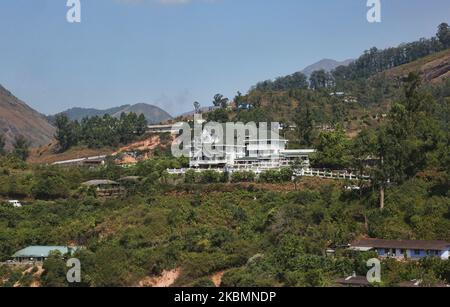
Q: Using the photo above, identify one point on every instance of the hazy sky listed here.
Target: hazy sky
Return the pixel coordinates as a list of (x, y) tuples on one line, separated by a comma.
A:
[(173, 52)]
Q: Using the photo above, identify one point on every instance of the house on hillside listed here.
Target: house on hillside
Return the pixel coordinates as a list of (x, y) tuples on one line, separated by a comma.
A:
[(158, 129), (105, 188), (41, 253), (404, 249), (253, 154)]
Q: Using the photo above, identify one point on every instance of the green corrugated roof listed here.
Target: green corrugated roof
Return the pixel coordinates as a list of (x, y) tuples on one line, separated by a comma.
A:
[(42, 251)]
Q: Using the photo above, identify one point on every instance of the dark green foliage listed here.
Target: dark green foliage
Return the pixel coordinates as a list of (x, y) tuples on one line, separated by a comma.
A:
[(274, 176), (67, 132), (219, 116), (54, 272), (2, 145), (21, 148), (98, 131), (243, 177), (295, 81), (333, 150), (374, 60), (444, 34), (320, 79), (50, 185)]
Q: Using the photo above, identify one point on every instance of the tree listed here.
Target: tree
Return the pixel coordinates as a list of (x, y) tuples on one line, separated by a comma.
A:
[(2, 145), (141, 125), (333, 150), (54, 274), (305, 124), (67, 132), (364, 149), (320, 79), (404, 143), (220, 101), (21, 148), (219, 116), (50, 185), (443, 34)]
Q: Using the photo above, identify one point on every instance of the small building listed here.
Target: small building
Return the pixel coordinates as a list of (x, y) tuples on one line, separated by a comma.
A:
[(105, 188), (404, 249), (353, 281), (158, 129), (41, 253), (88, 162)]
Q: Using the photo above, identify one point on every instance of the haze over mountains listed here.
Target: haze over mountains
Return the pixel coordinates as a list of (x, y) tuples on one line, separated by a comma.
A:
[(17, 118), (152, 113)]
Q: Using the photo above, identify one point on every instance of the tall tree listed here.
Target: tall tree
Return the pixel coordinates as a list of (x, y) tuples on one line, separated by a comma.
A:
[(320, 79), (405, 142), (305, 124), (141, 125), (443, 34), (21, 148), (67, 132)]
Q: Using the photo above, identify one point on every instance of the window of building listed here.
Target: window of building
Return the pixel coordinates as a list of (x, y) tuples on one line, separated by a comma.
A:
[(417, 252)]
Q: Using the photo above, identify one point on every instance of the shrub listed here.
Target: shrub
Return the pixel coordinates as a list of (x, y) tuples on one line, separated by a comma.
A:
[(242, 177)]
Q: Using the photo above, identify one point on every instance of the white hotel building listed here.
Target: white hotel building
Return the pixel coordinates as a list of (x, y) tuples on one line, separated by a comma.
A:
[(255, 155)]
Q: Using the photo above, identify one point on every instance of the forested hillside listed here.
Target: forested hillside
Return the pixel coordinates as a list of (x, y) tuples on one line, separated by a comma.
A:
[(275, 229)]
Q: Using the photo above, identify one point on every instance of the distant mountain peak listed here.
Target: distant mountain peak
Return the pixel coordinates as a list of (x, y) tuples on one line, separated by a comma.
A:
[(152, 113), (325, 64)]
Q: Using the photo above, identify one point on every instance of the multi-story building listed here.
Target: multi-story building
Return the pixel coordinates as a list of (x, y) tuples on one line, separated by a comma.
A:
[(254, 155)]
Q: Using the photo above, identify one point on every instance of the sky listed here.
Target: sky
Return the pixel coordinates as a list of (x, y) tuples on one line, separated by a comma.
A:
[(171, 53)]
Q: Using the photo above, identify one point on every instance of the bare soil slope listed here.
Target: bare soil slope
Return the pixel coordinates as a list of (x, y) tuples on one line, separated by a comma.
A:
[(17, 118)]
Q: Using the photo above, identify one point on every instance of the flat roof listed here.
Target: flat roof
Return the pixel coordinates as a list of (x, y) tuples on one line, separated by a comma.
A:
[(356, 281), (100, 182), (403, 244)]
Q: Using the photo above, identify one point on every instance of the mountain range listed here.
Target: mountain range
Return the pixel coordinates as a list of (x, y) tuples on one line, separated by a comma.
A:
[(17, 118), (153, 114)]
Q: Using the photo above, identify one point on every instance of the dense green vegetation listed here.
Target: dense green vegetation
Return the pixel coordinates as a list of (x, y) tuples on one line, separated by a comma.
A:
[(97, 131), (257, 237), (260, 231)]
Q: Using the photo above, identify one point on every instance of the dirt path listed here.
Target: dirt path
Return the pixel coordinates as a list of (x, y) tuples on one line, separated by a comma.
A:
[(166, 279), (37, 276), (217, 278)]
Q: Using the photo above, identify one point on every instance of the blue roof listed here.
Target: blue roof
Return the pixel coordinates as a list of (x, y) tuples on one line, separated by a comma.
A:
[(42, 251)]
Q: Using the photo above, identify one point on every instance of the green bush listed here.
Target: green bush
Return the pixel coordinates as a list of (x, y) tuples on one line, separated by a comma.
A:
[(237, 177)]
